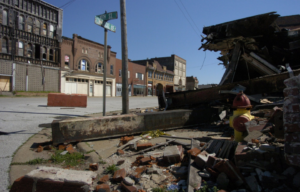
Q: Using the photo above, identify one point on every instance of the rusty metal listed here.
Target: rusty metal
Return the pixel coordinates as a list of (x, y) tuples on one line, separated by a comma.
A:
[(241, 101), (72, 130), (266, 84), (239, 123)]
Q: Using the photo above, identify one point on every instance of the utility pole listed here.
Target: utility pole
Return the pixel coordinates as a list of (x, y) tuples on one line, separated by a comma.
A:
[(104, 68), (125, 101)]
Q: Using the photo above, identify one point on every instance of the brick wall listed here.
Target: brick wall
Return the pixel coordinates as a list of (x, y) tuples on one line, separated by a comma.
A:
[(291, 119)]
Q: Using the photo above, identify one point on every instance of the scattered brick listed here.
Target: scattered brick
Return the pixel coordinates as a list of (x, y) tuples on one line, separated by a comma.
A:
[(120, 152), (194, 152), (22, 184), (120, 162), (119, 175), (48, 147), (104, 179), (61, 147), (212, 161), (141, 146), (141, 190), (255, 141), (145, 160), (138, 171), (152, 158), (128, 188), (70, 149), (230, 170), (94, 166), (39, 149), (125, 139), (213, 173), (104, 187)]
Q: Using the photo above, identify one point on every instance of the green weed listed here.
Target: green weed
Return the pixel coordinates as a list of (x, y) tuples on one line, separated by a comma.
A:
[(68, 159), (111, 169)]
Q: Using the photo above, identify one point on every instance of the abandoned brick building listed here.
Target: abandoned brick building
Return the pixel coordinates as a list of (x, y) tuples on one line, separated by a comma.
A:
[(82, 67), (30, 35)]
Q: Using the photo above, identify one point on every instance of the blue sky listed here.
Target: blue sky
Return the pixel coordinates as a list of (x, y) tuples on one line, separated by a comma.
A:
[(158, 28)]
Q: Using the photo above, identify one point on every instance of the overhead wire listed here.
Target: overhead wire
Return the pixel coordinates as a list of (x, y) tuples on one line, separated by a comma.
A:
[(190, 16), (66, 4), (187, 19)]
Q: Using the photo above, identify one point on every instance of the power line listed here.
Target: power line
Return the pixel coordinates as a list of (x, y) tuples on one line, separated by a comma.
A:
[(186, 18), (203, 60), (190, 16), (66, 4)]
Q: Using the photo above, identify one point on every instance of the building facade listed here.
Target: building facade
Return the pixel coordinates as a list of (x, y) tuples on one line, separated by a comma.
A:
[(191, 83), (82, 67), (173, 63), (31, 31), (136, 79)]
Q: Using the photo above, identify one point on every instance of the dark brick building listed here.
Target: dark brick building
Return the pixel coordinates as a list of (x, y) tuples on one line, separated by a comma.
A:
[(30, 33), (82, 67), (136, 79)]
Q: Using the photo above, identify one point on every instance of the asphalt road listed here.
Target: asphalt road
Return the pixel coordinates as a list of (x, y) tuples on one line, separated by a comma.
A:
[(22, 117)]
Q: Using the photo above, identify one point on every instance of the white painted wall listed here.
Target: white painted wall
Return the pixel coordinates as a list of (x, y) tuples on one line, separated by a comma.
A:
[(82, 88), (98, 90), (62, 81)]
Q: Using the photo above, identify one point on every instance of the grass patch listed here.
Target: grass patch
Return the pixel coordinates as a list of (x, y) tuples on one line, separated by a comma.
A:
[(90, 151), (68, 159), (36, 92), (101, 161), (31, 162), (111, 169)]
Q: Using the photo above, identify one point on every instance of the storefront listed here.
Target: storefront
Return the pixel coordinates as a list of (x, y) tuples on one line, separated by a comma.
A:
[(119, 89), (150, 88), (139, 90)]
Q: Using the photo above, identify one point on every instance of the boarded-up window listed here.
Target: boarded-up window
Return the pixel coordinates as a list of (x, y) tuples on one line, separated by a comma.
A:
[(5, 18), (21, 22), (29, 50), (4, 45), (45, 29), (29, 25), (37, 27), (21, 50)]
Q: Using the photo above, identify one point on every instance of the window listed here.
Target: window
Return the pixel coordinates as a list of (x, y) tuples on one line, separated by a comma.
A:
[(52, 30), (150, 74), (44, 51), (29, 25), (128, 74), (21, 50), (111, 69), (86, 51), (37, 27), (29, 7), (25, 5), (83, 65), (29, 50), (4, 45), (51, 55), (67, 60), (5, 18), (98, 68), (45, 29), (44, 12), (21, 22), (139, 76), (120, 73), (82, 50)]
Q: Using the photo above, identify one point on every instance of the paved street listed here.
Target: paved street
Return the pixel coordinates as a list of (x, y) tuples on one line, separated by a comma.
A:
[(21, 117)]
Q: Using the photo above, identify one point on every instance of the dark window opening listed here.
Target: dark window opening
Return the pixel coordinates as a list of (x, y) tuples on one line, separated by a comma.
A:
[(44, 53), (29, 50), (37, 51), (4, 45), (51, 55)]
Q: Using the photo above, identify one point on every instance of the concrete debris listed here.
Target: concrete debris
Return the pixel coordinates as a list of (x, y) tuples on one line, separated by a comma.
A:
[(104, 179), (103, 188), (128, 181), (173, 154), (119, 175)]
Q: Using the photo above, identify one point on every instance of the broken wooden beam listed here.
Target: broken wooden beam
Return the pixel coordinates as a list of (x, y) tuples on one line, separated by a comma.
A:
[(260, 68), (266, 63)]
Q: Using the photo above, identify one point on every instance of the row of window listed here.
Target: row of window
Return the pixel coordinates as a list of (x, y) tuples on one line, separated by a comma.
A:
[(120, 73), (34, 8), (160, 76), (84, 65), (30, 25), (86, 81)]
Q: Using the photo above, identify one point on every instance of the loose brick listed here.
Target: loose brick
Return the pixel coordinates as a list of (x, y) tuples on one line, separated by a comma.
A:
[(70, 149), (125, 139), (173, 154), (94, 166), (120, 162), (194, 152), (141, 146), (61, 147), (212, 161), (39, 149), (104, 179), (120, 152), (22, 184), (67, 100), (104, 187), (138, 171), (128, 188), (145, 160), (119, 175), (294, 91), (230, 170)]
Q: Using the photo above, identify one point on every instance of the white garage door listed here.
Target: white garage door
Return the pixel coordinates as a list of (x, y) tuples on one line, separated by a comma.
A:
[(108, 90), (71, 88)]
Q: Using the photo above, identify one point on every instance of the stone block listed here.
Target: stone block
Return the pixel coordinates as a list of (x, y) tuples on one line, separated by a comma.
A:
[(128, 181), (173, 154), (103, 187), (67, 100), (119, 175), (253, 184)]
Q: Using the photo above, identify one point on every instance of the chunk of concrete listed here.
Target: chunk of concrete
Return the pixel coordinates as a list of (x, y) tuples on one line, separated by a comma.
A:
[(158, 179), (119, 175), (128, 181), (202, 159), (173, 154)]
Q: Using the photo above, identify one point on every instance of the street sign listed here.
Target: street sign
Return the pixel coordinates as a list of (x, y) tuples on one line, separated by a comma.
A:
[(98, 20), (109, 16), (109, 26)]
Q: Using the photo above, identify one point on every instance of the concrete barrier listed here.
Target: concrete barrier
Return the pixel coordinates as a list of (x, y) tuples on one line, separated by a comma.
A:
[(113, 126), (66, 100)]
